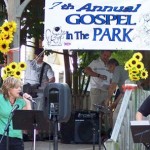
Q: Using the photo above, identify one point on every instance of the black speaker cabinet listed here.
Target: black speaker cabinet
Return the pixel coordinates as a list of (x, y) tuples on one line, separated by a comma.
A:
[(86, 127), (67, 131)]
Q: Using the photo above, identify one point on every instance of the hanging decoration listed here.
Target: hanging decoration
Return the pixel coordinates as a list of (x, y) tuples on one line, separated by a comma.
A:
[(7, 31), (135, 67), (13, 69)]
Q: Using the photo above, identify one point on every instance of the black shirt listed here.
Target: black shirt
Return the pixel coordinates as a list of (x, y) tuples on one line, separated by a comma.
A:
[(145, 107)]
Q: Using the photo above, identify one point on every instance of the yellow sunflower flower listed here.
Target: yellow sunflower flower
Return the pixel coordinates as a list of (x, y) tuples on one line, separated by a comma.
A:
[(22, 66), (3, 71), (4, 46), (134, 77), (7, 36), (136, 68), (5, 27), (127, 66), (134, 71), (133, 62), (144, 74), (17, 74), (13, 26), (137, 56), (140, 66), (7, 69), (1, 37), (13, 66)]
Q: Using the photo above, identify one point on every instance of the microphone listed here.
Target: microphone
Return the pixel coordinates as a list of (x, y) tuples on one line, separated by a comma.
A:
[(30, 99), (15, 108)]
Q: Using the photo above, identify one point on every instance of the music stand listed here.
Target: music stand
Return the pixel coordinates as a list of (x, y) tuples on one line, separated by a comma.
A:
[(141, 134), (30, 120)]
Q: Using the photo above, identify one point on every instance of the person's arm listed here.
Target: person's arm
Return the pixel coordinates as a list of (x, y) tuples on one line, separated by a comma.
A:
[(143, 110), (90, 72), (111, 90), (139, 116), (50, 75), (114, 105)]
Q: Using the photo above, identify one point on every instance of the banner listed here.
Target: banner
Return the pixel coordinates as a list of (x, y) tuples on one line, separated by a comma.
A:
[(97, 25)]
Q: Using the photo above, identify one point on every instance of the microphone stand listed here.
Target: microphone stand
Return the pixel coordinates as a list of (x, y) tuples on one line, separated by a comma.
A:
[(100, 109), (6, 130)]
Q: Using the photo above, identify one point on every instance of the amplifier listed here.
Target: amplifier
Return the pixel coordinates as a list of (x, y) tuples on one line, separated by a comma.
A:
[(86, 115), (86, 127)]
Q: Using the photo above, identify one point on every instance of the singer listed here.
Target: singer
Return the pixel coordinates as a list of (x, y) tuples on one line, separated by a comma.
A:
[(10, 100)]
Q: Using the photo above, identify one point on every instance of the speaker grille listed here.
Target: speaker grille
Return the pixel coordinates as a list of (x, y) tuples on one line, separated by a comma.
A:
[(86, 128), (85, 131)]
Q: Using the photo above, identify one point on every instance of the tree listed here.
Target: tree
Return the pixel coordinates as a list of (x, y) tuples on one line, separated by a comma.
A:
[(32, 22)]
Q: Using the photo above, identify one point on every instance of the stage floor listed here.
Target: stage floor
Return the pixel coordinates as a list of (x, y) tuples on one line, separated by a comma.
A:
[(46, 145)]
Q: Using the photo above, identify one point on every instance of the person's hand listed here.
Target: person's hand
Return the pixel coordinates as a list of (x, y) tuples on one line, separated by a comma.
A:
[(26, 96), (103, 77), (28, 103), (113, 105)]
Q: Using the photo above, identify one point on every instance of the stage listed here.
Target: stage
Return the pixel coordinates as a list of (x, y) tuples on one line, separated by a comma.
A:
[(46, 145)]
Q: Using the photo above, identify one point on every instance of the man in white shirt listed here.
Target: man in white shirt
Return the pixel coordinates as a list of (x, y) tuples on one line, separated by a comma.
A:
[(38, 74), (100, 79)]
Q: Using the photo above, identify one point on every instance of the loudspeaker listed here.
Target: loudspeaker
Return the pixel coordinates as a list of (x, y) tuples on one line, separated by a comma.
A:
[(57, 101), (67, 131), (86, 127)]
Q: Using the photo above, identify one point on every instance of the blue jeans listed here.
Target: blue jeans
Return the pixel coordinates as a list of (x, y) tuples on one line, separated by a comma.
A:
[(14, 143)]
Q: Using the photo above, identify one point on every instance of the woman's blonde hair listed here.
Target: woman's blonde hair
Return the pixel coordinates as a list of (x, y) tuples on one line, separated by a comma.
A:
[(9, 83)]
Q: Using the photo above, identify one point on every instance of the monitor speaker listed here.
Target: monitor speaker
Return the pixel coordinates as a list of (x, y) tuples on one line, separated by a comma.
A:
[(57, 101)]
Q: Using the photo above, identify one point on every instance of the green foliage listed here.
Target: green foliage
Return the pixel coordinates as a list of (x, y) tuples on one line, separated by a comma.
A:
[(32, 22), (122, 56), (86, 57)]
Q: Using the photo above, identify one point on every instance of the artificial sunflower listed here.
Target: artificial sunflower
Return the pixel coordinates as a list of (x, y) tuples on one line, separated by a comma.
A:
[(135, 67), (134, 71), (127, 66), (134, 78), (17, 74), (7, 36), (144, 74), (12, 26), (14, 69), (7, 69), (133, 62), (5, 27), (22, 66), (140, 66), (137, 56), (13, 66), (4, 46)]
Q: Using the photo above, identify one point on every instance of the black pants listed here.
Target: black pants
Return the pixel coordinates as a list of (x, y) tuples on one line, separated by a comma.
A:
[(14, 143)]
